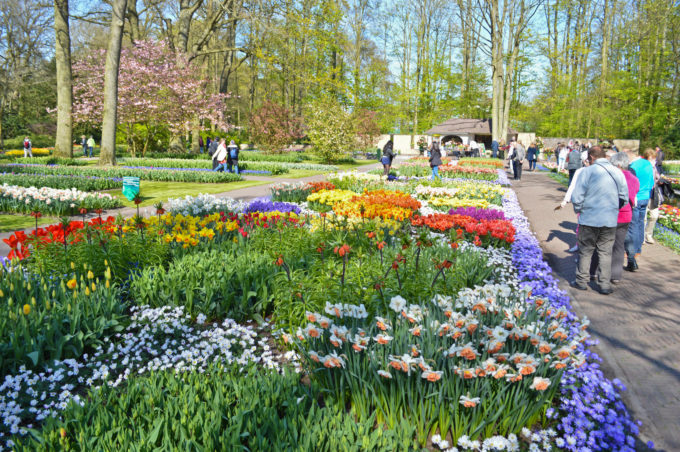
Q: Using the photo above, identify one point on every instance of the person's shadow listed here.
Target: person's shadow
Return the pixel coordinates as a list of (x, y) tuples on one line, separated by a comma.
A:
[(566, 234)]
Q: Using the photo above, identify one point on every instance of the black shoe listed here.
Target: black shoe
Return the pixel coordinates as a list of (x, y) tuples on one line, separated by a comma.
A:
[(632, 265), (578, 286), (605, 291)]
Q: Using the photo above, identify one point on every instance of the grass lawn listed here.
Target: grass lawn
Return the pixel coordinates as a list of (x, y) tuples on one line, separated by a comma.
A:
[(559, 177), (296, 174), (152, 192), (15, 222)]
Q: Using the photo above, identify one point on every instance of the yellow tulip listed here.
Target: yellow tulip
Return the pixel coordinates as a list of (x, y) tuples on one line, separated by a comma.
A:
[(27, 309), (72, 283)]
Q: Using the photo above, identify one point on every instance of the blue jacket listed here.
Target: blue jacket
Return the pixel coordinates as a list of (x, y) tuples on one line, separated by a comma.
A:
[(596, 194), (645, 174)]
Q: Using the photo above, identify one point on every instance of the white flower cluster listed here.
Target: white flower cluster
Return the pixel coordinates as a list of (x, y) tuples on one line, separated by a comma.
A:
[(157, 339), (203, 204), (48, 195), (425, 192), (356, 175)]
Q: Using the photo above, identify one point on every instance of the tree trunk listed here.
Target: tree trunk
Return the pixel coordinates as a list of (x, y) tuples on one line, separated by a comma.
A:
[(63, 146), (110, 109)]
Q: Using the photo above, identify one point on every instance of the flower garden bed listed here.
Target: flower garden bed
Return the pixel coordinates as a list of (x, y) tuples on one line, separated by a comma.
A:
[(50, 201), (395, 326), (159, 175)]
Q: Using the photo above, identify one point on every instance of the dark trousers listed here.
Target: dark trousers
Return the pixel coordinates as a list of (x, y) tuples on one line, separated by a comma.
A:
[(571, 175), (231, 164), (517, 169), (591, 239), (532, 165), (617, 255)]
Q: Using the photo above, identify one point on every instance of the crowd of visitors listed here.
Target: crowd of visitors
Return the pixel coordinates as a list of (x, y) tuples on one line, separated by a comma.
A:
[(610, 192)]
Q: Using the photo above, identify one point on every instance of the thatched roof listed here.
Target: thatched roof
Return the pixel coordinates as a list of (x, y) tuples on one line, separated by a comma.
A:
[(455, 126)]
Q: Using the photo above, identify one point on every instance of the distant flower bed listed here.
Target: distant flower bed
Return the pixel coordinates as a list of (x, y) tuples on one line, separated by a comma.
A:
[(34, 151), (51, 201)]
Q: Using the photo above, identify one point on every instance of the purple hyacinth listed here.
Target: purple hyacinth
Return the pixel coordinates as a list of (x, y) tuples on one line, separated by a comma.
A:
[(479, 214), (266, 205)]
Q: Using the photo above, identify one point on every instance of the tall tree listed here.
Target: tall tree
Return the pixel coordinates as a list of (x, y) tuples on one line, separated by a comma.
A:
[(63, 146), (110, 109)]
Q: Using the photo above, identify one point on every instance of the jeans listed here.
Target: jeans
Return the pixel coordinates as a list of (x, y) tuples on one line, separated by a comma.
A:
[(235, 164), (222, 166), (90, 148), (560, 164), (571, 175), (200, 149), (532, 165), (435, 172), (636, 230), (590, 239), (85, 151)]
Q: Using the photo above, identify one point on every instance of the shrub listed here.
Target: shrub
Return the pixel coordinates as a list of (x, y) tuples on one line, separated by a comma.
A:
[(330, 130), (273, 127)]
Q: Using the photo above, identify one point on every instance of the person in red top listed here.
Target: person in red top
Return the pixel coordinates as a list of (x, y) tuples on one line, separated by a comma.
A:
[(621, 161)]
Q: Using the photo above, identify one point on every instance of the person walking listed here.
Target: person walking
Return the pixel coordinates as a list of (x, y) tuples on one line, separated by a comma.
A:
[(532, 156), (83, 143), (567, 199), (200, 144), (574, 162), (232, 158), (520, 154), (644, 171), (494, 149), (90, 145), (387, 157), (435, 158), (655, 200), (598, 195), (28, 147), (212, 149), (220, 156), (659, 160), (620, 161), (562, 153)]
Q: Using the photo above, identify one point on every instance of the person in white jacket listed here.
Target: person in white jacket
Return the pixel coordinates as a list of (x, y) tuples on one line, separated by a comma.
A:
[(562, 153), (567, 199), (221, 156)]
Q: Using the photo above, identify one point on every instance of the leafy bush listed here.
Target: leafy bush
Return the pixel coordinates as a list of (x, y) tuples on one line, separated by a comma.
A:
[(220, 409), (273, 127), (43, 319), (330, 129), (38, 141), (215, 283)]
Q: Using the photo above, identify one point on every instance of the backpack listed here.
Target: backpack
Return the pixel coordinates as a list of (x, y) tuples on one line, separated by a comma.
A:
[(26, 144), (233, 154)]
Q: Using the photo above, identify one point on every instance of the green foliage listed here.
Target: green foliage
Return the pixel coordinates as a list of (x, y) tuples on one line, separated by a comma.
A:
[(37, 141), (330, 129), (217, 283), (41, 319), (221, 409)]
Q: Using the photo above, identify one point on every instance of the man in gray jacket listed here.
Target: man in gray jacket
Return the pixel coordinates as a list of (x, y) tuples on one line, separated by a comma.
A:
[(599, 192), (520, 153)]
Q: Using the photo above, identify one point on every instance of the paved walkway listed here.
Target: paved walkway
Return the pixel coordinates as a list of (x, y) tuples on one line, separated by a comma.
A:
[(638, 326), (242, 194)]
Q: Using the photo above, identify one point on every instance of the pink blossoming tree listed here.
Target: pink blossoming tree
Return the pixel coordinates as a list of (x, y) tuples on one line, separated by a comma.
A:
[(273, 127), (157, 90)]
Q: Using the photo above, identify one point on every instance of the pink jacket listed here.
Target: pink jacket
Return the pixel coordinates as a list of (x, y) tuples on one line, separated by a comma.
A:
[(626, 212)]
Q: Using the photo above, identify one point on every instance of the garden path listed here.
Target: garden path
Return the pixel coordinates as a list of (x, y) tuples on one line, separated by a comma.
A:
[(242, 194), (637, 325)]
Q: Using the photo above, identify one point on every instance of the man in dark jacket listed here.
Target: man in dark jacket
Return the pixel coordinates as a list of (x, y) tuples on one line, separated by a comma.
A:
[(573, 162), (213, 148)]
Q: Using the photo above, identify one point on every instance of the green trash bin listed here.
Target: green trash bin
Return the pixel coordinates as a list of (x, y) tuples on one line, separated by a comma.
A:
[(130, 187)]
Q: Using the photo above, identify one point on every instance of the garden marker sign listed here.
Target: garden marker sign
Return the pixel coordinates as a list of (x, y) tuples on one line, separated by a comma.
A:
[(130, 187)]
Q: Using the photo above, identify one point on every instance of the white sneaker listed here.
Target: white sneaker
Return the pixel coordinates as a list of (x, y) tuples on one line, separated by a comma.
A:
[(649, 240), (573, 249)]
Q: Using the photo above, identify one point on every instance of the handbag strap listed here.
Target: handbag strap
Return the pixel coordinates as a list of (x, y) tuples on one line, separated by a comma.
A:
[(618, 189)]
